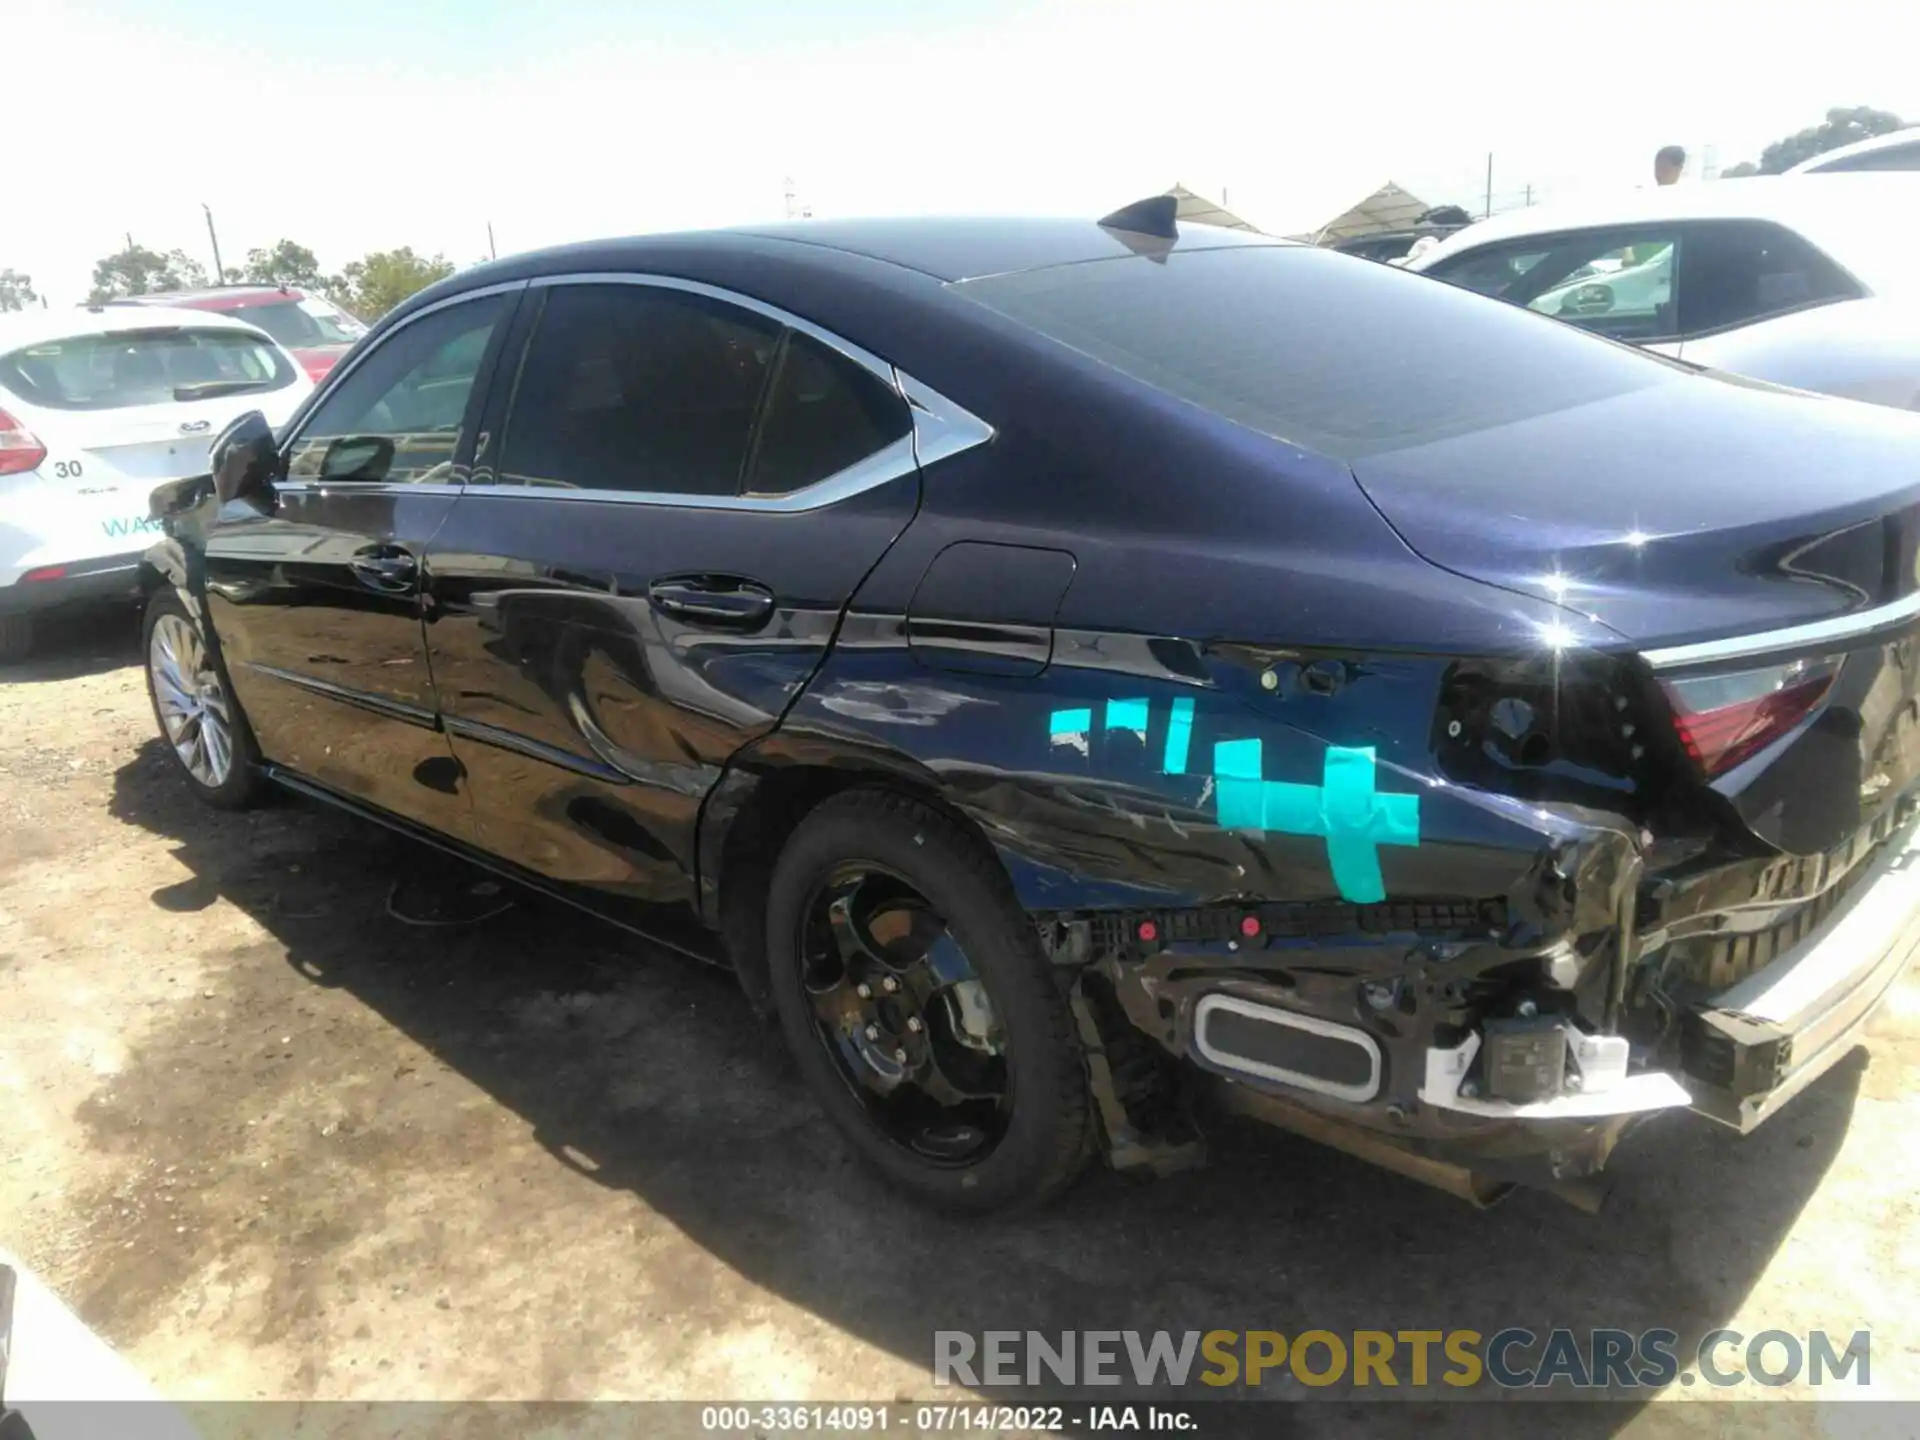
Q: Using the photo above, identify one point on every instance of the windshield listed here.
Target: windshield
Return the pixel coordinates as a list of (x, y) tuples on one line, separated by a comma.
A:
[(300, 324), (1323, 350), (142, 367)]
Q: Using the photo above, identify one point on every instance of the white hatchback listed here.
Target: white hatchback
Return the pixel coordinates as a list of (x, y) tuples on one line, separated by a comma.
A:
[(97, 407)]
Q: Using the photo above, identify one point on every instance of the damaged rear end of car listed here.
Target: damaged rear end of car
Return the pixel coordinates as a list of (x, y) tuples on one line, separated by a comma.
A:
[(1457, 774)]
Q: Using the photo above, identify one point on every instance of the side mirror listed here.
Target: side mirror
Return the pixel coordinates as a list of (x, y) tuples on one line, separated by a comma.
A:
[(177, 497), (363, 458), (245, 458)]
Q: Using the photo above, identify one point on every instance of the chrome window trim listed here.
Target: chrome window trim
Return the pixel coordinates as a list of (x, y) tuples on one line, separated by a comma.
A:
[(1793, 637), (940, 429), (893, 461), (365, 487)]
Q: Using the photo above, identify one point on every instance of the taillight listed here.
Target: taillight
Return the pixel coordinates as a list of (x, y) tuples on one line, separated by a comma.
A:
[(1724, 719), (20, 448)]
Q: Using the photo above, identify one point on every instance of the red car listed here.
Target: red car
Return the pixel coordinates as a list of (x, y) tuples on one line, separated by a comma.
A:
[(315, 330)]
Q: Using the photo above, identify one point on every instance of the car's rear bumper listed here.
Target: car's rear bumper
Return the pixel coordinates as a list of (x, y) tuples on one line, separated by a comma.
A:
[(1757, 1044), (105, 577)]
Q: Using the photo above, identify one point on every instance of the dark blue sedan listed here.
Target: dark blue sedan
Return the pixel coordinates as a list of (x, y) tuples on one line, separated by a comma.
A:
[(1085, 675)]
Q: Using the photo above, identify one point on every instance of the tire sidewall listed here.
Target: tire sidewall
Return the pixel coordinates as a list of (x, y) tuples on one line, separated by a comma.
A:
[(243, 776), (986, 922)]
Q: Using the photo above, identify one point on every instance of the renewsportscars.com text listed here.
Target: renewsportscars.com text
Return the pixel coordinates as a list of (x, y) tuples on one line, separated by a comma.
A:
[(1514, 1358)]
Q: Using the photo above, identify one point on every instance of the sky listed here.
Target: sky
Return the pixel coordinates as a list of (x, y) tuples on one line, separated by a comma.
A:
[(356, 125)]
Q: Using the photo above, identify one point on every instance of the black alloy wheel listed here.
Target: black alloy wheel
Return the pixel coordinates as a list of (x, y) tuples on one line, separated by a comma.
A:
[(920, 1009), (903, 1014)]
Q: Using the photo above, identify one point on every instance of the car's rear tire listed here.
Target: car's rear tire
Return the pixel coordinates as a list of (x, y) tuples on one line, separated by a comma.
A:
[(200, 722), (913, 993), (16, 638)]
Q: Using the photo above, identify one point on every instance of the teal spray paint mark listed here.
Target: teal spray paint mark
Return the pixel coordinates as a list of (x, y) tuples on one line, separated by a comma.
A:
[(1127, 715), (1179, 732), (1345, 809)]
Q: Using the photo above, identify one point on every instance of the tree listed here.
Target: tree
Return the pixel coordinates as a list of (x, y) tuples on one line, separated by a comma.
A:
[(375, 283), (285, 264), (137, 270), (16, 290), (1842, 126)]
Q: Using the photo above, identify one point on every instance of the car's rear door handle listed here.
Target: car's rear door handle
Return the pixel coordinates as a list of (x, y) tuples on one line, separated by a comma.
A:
[(724, 600), (388, 568)]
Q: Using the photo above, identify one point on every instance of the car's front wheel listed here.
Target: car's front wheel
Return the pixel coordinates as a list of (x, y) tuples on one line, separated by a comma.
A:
[(202, 725), (923, 1016)]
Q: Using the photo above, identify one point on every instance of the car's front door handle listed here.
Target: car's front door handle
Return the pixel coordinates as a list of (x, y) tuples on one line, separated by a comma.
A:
[(385, 567), (724, 600)]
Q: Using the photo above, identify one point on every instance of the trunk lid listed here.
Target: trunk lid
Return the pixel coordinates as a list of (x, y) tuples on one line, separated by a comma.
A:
[(1751, 543), (1673, 513)]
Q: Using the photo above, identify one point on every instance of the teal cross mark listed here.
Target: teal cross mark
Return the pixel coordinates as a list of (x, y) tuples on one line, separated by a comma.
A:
[(1354, 818)]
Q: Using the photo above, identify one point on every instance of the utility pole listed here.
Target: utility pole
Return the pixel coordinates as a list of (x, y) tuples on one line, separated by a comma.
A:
[(219, 271), (1529, 197), (492, 254), (795, 210), (1489, 210)]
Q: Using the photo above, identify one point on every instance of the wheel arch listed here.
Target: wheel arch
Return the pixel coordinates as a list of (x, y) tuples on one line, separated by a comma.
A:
[(754, 810)]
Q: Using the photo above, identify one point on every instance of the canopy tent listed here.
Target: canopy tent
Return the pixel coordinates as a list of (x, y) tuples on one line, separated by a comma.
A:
[(1388, 208), (1198, 210), (1297, 212)]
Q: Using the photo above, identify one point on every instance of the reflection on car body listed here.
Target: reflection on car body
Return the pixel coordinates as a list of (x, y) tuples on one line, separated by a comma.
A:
[(1073, 670)]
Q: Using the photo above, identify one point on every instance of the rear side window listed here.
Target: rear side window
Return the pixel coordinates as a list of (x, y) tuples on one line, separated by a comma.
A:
[(639, 388), (299, 324), (143, 367), (1673, 282), (1735, 272), (823, 414), (1323, 350)]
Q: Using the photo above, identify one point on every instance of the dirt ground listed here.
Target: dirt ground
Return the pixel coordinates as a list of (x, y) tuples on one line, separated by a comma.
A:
[(273, 1142)]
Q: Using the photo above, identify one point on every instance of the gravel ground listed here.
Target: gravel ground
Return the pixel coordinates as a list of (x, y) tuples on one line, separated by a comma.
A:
[(275, 1143)]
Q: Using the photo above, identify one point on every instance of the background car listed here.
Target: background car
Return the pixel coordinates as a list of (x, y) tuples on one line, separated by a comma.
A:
[(1069, 669), (1801, 280), (313, 328), (96, 407), (1898, 150)]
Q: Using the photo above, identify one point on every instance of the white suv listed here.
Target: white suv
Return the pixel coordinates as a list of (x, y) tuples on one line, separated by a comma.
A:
[(97, 407)]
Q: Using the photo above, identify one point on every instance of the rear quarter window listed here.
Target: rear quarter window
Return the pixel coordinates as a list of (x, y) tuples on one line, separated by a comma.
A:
[(1323, 350), (126, 368)]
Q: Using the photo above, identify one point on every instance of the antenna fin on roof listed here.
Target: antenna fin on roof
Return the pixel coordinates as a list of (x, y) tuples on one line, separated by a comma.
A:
[(1152, 216)]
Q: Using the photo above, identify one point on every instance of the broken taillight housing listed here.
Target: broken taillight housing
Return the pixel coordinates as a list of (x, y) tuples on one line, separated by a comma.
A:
[(1724, 719)]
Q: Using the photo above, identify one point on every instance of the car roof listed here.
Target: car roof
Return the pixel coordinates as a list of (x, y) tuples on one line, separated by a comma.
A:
[(1907, 135), (942, 249), (34, 327), (217, 297), (1852, 216)]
